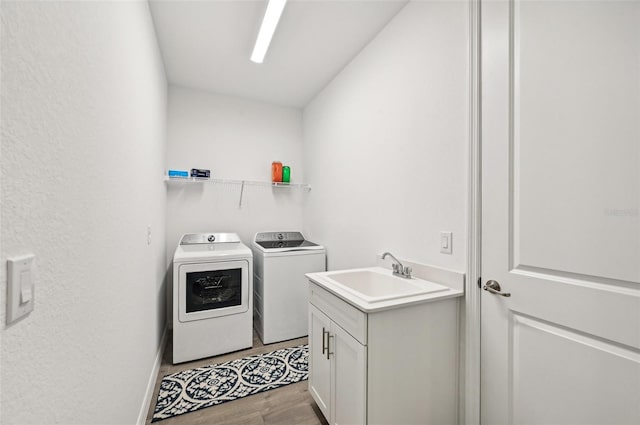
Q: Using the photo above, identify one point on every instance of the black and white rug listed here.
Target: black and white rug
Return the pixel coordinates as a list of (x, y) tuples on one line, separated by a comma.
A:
[(195, 389)]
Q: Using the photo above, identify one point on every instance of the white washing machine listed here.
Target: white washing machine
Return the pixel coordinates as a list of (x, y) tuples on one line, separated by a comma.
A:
[(212, 303), (281, 290)]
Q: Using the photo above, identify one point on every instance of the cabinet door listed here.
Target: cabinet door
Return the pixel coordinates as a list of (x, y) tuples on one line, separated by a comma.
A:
[(349, 367), (319, 365)]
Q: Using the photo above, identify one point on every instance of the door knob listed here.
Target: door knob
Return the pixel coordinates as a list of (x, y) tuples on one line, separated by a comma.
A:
[(494, 287)]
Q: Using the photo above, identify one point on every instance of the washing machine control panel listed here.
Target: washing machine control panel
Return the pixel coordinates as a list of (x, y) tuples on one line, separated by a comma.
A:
[(275, 240), (279, 236)]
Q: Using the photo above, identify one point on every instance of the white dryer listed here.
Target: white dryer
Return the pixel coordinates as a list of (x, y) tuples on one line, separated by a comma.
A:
[(281, 289), (212, 303)]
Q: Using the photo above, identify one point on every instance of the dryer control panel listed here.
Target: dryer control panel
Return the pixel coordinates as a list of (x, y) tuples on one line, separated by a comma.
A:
[(206, 238)]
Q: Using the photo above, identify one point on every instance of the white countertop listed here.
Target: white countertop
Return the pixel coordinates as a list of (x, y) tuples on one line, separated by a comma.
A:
[(325, 281)]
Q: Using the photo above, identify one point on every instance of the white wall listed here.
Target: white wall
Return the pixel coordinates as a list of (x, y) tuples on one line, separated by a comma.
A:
[(83, 135), (235, 139), (386, 142)]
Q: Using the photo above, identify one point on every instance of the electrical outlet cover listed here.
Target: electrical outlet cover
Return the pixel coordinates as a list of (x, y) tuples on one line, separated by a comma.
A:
[(21, 286), (446, 240)]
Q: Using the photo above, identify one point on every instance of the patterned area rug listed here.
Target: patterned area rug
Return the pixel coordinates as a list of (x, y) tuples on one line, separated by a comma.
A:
[(195, 389)]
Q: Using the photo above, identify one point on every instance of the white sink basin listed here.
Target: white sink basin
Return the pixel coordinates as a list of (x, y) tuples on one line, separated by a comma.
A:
[(375, 286)]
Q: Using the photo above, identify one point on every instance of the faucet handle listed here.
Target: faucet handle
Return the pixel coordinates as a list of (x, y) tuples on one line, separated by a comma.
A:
[(396, 268), (407, 271)]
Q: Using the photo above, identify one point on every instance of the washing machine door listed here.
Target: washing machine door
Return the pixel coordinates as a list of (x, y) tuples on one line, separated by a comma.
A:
[(207, 290)]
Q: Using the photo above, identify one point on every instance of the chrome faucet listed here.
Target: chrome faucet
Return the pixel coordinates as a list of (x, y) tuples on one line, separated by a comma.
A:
[(398, 268)]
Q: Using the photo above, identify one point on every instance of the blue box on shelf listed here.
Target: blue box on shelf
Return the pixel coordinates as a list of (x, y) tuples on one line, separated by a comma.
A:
[(178, 173)]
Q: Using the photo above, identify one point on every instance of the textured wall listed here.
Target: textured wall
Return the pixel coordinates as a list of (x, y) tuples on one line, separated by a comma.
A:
[(385, 144), (83, 129)]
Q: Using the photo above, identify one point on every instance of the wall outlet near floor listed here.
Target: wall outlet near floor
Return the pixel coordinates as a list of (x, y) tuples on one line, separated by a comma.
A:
[(149, 235), (446, 240)]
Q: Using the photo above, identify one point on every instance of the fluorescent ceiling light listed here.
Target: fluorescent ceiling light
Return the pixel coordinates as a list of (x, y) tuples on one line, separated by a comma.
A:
[(268, 27)]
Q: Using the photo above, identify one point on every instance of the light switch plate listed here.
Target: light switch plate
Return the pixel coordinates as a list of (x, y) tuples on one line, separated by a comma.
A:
[(446, 240), (21, 286)]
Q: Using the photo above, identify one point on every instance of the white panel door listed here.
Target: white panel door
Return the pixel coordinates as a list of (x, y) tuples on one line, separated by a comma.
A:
[(561, 225)]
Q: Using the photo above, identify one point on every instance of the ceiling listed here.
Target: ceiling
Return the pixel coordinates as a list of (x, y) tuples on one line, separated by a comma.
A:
[(206, 44)]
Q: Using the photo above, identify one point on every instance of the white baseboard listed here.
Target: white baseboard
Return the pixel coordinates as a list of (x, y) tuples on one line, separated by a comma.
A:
[(146, 402)]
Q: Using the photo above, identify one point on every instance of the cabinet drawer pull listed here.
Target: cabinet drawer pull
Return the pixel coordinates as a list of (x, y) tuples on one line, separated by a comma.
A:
[(324, 344), (328, 341)]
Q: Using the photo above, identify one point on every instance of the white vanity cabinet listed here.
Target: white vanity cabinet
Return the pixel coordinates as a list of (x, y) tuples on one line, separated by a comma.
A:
[(396, 366)]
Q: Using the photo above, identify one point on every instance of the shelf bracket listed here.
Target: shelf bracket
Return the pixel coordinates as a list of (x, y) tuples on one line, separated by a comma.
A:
[(241, 195)]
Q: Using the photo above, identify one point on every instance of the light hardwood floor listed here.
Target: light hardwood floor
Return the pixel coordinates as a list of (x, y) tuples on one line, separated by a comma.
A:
[(288, 405)]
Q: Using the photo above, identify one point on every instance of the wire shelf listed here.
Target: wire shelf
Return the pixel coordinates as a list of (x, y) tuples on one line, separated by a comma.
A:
[(195, 180)]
